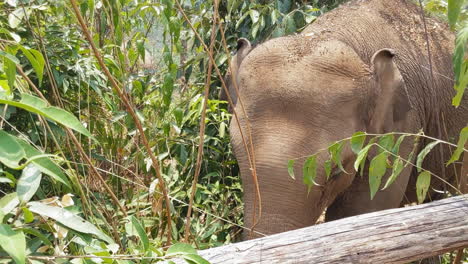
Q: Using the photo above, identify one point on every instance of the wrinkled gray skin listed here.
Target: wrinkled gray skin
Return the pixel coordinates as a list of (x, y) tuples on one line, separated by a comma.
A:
[(362, 67)]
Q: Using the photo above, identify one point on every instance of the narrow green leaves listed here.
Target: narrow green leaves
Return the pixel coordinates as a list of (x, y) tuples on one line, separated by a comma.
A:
[(141, 232), (398, 166), (453, 10), (291, 168), (377, 169), (460, 65), (357, 141), (335, 153), (187, 252), (38, 106), (361, 158), (327, 166), (422, 185), (14, 243), (309, 171), (460, 145), (37, 61), (424, 153)]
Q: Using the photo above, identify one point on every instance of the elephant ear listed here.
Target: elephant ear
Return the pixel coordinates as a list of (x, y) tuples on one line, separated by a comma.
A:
[(390, 102), (231, 79)]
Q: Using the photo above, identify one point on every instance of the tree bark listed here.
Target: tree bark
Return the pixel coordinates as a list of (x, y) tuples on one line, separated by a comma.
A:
[(392, 236)]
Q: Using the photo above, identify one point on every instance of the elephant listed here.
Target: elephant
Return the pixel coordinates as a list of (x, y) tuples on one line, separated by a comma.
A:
[(363, 66)]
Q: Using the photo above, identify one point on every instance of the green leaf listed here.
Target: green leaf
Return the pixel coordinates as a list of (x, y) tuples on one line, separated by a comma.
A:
[(309, 170), (254, 15), (357, 141), (460, 145), (386, 143), (141, 233), (10, 65), (396, 170), (37, 61), (327, 166), (361, 157), (11, 153), (28, 183), (15, 17), (37, 234), (396, 147), (14, 243), (44, 164), (291, 168), (335, 153), (459, 53), (39, 106), (180, 249), (28, 216), (424, 153), (9, 57), (377, 169), (461, 85), (68, 219), (422, 185), (8, 203), (454, 9), (193, 258)]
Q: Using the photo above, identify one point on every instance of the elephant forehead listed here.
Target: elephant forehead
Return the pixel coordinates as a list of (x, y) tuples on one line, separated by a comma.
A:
[(295, 67)]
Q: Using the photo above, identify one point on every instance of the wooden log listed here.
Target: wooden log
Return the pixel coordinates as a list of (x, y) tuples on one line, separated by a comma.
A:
[(392, 236)]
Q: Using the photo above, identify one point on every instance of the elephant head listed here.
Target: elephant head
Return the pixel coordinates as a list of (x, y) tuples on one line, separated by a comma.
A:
[(299, 97)]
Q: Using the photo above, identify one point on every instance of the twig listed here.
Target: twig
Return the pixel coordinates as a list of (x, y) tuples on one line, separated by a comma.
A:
[(202, 126), (131, 111)]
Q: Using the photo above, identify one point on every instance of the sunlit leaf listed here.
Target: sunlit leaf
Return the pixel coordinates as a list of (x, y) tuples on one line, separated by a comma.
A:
[(335, 153), (424, 153), (180, 249), (68, 219), (460, 145), (422, 185), (37, 61), (13, 242), (361, 157), (28, 183), (377, 169), (327, 165), (357, 141), (386, 143), (8, 203), (396, 170), (309, 171), (454, 9), (291, 168)]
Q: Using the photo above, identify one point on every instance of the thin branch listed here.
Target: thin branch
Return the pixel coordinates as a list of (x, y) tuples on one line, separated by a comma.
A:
[(202, 125), (131, 111)]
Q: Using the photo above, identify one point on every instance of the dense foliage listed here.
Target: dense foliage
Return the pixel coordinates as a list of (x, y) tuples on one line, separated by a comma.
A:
[(52, 90)]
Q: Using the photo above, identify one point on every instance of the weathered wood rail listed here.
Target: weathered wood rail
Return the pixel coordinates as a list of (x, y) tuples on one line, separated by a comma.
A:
[(392, 236)]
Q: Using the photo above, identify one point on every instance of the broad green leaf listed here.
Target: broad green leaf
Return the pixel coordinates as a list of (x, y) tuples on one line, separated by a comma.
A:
[(10, 65), (422, 185), (194, 258), (15, 17), (39, 106), (454, 9), (335, 153), (14, 243), (386, 143), (180, 249), (396, 170), (377, 169), (361, 158), (37, 61), (291, 168), (28, 183), (254, 15), (327, 165), (44, 164), (11, 153), (8, 203), (68, 219), (309, 170), (141, 233), (460, 145), (424, 153), (357, 141)]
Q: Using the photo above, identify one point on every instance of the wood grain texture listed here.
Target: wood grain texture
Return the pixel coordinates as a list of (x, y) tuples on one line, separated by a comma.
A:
[(392, 236)]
